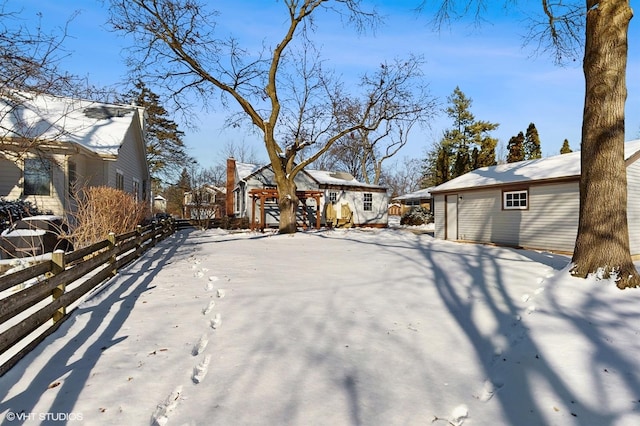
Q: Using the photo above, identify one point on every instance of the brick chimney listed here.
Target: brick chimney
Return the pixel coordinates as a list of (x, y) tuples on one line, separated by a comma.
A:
[(231, 183)]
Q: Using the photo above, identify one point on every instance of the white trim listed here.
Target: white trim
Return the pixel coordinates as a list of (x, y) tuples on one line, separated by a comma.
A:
[(513, 200)]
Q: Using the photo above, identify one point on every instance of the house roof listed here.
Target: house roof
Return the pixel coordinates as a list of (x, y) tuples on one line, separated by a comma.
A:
[(337, 178), (556, 167), (97, 126), (323, 177), (416, 195), (245, 170)]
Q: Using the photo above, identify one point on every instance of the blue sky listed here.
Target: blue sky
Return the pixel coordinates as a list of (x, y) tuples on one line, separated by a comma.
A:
[(507, 83)]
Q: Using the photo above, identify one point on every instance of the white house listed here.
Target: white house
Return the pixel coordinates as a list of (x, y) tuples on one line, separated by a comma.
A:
[(205, 202), (50, 145), (532, 204), (251, 193)]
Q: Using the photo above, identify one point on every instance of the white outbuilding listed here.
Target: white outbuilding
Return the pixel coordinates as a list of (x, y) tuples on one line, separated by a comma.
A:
[(533, 204)]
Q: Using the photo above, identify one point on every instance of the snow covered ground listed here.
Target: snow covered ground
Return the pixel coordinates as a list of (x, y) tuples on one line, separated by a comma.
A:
[(341, 327)]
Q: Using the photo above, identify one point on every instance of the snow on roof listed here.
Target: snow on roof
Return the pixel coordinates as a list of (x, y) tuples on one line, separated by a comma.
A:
[(97, 126), (337, 178), (245, 170), (558, 166), (419, 194)]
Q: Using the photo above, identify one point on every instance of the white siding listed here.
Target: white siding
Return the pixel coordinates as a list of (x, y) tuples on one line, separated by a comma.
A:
[(479, 212), (552, 219), (550, 222), (439, 206), (10, 177), (633, 206), (131, 160), (378, 215)]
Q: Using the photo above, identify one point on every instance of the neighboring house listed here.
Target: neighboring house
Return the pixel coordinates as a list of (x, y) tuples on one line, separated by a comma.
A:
[(395, 209), (50, 146), (532, 204), (333, 197), (420, 198), (208, 202), (159, 204)]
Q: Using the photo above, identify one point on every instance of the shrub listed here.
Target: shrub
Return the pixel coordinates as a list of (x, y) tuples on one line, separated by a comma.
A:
[(417, 216), (101, 210), (11, 211)]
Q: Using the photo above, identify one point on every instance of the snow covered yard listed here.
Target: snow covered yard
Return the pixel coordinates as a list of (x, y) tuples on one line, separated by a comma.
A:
[(342, 327)]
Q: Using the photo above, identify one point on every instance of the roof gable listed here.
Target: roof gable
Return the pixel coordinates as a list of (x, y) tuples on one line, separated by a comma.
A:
[(322, 177), (98, 127), (416, 195), (555, 167)]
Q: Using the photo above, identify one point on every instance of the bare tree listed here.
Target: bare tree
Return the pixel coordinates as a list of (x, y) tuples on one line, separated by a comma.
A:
[(403, 176), (363, 152), (602, 244), (283, 91)]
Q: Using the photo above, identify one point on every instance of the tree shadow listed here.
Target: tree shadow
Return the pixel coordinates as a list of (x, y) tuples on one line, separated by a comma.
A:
[(510, 357), (120, 294), (520, 364)]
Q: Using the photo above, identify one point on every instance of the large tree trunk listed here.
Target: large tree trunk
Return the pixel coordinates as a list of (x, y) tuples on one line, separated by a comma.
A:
[(288, 205), (602, 244)]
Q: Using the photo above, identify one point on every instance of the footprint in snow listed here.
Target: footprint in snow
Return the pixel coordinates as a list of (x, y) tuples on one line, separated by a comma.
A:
[(488, 390), (198, 274), (161, 416), (216, 321), (458, 415), (202, 344), (210, 286), (200, 371), (209, 307), (221, 293)]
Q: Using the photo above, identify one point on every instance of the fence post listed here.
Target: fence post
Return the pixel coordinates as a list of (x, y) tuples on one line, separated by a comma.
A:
[(112, 247), (58, 266), (138, 240)]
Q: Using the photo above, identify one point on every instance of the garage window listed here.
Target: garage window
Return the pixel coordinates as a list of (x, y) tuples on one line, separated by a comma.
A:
[(515, 200)]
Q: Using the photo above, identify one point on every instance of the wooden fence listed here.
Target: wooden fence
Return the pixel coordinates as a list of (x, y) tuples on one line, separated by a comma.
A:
[(39, 298)]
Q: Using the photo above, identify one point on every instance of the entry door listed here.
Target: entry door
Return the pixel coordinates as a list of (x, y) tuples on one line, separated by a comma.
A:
[(451, 231)]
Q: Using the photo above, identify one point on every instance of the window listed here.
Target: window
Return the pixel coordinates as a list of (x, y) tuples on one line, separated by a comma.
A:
[(120, 180), (333, 197), (368, 202), (37, 176), (515, 200), (136, 189), (73, 178)]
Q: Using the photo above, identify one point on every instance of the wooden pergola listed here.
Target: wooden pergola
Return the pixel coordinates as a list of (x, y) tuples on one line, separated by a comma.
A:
[(264, 194)]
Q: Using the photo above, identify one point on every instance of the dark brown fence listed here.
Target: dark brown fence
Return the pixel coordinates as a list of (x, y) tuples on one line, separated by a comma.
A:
[(39, 298)]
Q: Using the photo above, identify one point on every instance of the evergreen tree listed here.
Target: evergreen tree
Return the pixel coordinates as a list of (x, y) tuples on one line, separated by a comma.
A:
[(486, 155), (532, 143), (565, 147), (515, 148), (466, 145), (166, 152), (442, 166)]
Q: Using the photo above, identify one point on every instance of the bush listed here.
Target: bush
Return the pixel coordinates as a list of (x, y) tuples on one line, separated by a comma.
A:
[(101, 210), (11, 211), (417, 216)]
